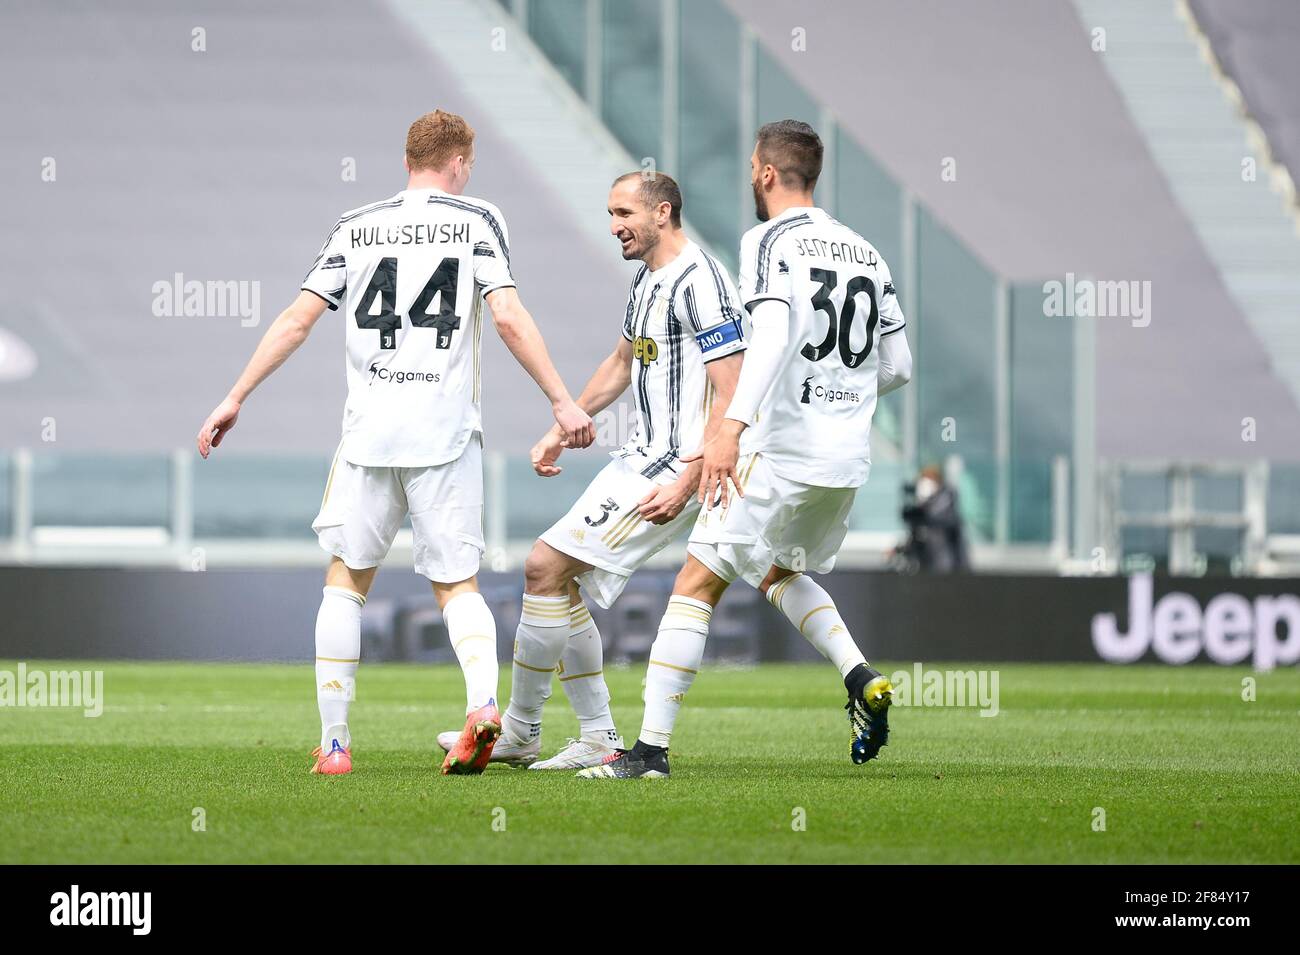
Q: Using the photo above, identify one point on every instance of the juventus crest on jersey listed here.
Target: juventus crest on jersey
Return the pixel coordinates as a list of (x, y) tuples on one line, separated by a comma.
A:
[(815, 422), (409, 274), (679, 317)]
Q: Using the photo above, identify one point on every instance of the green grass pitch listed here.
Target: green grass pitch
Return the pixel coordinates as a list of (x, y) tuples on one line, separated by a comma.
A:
[(1185, 770)]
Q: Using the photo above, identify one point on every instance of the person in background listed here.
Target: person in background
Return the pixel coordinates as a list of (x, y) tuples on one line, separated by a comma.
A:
[(936, 538)]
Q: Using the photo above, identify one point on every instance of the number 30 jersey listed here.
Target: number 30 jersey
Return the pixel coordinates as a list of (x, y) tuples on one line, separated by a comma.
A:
[(409, 274), (813, 425)]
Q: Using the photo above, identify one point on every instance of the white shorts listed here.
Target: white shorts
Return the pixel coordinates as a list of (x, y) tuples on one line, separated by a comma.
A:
[(778, 521), (363, 508), (604, 529)]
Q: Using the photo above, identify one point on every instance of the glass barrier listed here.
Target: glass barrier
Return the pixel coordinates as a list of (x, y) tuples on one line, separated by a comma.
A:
[(867, 200), (559, 28), (274, 498), (1031, 518), (976, 495), (1144, 493), (1218, 492), (6, 495), (711, 160), (878, 506), (1144, 548), (258, 496), (1284, 499), (632, 77), (101, 490), (955, 380), (1221, 547), (779, 96), (1042, 409)]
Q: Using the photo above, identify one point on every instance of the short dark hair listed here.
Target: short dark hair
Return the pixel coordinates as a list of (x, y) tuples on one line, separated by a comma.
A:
[(794, 149), (657, 187)]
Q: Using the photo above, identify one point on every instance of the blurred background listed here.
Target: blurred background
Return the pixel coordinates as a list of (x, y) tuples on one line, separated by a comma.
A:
[(1088, 207)]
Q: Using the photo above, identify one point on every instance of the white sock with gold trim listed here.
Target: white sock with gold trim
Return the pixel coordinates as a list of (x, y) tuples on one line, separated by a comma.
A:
[(674, 660), (813, 612), (338, 651), (473, 635), (582, 677), (539, 644)]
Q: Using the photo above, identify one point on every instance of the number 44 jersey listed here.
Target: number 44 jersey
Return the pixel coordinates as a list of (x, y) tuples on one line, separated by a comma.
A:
[(813, 426), (409, 274)]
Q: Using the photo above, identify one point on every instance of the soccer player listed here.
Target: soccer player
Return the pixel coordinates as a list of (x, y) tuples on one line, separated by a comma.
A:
[(410, 273), (680, 351), (827, 340)]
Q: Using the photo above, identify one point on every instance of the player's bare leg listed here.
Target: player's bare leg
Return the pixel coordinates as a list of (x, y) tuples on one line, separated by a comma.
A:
[(338, 652), (814, 614), (674, 661)]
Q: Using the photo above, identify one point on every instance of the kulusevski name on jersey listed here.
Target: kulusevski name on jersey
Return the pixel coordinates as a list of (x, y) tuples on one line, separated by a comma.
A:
[(679, 318), (410, 233), (814, 425), (409, 274)]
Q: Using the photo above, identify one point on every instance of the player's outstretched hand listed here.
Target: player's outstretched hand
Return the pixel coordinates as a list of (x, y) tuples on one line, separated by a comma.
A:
[(719, 456), (545, 453), (579, 430), (665, 502), (221, 420)]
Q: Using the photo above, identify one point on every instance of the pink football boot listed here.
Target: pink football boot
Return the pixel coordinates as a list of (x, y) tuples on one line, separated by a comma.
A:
[(336, 762), (472, 751)]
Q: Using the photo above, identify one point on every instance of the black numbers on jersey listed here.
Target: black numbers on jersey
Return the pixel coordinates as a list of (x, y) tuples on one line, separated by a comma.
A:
[(443, 280), (839, 327), (383, 285)]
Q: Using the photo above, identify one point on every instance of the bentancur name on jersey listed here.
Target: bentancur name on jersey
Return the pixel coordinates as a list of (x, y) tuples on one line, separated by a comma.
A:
[(421, 233), (836, 251)]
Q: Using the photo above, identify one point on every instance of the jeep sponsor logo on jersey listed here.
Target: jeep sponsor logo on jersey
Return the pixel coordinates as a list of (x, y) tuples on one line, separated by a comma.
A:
[(1176, 629), (645, 350)]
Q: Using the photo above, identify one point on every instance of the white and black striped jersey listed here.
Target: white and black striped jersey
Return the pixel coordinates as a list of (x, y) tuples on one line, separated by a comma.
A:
[(815, 422), (409, 274), (678, 318)]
